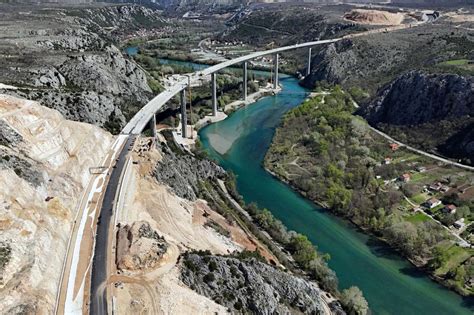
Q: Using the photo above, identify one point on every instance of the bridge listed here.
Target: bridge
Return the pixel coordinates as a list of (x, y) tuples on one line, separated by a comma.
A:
[(146, 116), (74, 280)]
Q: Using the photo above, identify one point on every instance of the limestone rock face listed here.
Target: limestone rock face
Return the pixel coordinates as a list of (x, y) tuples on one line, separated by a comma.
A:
[(416, 98), (184, 172), (434, 112), (44, 168), (107, 73), (250, 285), (139, 246), (332, 63), (48, 77), (66, 61)]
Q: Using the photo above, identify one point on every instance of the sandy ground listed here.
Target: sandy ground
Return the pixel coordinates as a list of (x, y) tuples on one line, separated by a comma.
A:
[(459, 18), (182, 223), (374, 17)]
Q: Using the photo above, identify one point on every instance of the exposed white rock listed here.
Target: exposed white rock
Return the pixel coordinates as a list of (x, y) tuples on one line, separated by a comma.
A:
[(36, 216)]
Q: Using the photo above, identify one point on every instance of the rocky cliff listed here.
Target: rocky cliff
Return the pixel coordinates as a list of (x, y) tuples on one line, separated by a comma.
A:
[(370, 62), (44, 167), (250, 286), (434, 111), (183, 173), (139, 246), (416, 97), (67, 61)]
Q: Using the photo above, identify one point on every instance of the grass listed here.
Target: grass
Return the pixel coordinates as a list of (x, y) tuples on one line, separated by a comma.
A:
[(416, 177), (419, 199), (455, 62), (456, 256), (406, 158), (417, 217)]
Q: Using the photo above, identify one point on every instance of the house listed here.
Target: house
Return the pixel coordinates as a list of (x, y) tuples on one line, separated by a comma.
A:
[(394, 146), (435, 186), (387, 161), (405, 178), (444, 188), (421, 169), (449, 209), (432, 203), (459, 224)]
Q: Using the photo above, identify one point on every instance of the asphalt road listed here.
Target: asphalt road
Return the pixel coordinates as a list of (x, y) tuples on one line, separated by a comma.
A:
[(98, 300)]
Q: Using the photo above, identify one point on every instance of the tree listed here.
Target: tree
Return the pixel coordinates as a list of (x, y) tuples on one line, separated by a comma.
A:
[(302, 250), (354, 302)]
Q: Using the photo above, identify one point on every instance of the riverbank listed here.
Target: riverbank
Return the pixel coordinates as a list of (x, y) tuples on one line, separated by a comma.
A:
[(390, 284), (193, 130), (323, 204), (321, 171)]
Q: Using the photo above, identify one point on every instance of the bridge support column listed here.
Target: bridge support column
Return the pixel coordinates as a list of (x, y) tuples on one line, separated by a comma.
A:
[(184, 118), (308, 69), (244, 82), (153, 126), (214, 94), (275, 71)]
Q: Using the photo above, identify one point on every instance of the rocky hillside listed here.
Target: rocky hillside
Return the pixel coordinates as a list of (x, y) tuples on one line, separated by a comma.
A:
[(370, 62), (433, 111), (280, 26), (184, 173), (44, 167), (139, 246), (67, 60), (416, 98), (251, 286)]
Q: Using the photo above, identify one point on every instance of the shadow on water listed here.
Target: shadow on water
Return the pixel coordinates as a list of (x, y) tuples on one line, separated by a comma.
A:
[(468, 302), (380, 249), (412, 272)]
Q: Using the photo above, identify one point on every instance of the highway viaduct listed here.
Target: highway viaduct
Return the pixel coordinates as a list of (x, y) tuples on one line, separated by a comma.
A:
[(146, 115), (99, 303)]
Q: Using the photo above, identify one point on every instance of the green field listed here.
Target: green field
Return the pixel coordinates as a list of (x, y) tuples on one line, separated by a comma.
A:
[(418, 217), (453, 256), (419, 199), (456, 62)]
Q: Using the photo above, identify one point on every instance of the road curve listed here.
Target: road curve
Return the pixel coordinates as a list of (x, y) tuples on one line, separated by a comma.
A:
[(141, 119)]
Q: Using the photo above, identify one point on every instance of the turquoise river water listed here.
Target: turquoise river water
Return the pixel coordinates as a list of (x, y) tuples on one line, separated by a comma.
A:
[(390, 284)]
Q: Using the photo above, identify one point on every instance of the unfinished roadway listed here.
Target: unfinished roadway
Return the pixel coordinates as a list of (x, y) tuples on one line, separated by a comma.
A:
[(70, 299)]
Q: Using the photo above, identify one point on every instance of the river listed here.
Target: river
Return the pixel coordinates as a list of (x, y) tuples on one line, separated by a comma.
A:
[(390, 284)]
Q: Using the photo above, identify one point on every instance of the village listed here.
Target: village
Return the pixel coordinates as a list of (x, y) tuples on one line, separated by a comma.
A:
[(432, 190)]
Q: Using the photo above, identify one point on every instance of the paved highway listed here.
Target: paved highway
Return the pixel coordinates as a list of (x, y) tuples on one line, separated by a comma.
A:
[(134, 127), (99, 267)]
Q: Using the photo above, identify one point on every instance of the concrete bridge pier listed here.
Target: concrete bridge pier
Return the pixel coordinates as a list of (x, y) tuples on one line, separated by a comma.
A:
[(184, 118), (244, 82), (308, 68), (214, 94), (275, 71), (153, 126)]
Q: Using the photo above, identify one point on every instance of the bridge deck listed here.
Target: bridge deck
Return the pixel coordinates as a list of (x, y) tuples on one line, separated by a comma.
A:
[(141, 119)]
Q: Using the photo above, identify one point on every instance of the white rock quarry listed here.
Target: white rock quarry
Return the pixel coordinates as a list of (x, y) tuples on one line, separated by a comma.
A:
[(36, 218)]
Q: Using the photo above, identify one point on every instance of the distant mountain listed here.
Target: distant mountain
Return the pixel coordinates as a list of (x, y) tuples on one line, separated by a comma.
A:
[(433, 2)]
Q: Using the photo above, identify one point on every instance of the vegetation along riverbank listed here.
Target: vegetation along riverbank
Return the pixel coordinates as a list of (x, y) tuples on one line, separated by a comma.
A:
[(418, 206)]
